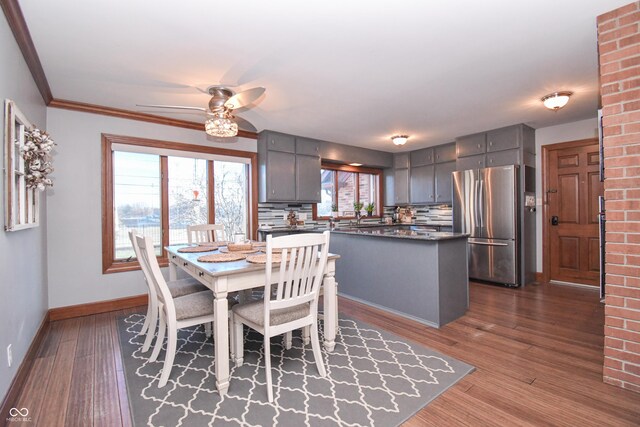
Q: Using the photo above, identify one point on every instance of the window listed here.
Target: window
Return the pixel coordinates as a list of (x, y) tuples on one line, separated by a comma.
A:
[(159, 188), (341, 186)]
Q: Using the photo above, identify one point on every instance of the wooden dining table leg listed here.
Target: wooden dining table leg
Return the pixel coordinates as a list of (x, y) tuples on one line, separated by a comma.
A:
[(330, 308), (221, 335)]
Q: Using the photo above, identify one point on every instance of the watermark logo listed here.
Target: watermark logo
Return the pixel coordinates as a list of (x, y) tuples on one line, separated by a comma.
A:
[(19, 415)]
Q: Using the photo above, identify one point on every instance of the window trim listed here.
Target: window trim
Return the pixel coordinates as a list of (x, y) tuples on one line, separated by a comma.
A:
[(111, 265), (357, 170)]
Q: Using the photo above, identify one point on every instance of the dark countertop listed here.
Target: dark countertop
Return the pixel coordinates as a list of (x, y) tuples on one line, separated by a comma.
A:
[(401, 231), (392, 232)]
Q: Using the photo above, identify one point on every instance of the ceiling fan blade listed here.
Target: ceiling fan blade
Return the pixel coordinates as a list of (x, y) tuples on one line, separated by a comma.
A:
[(244, 98), (244, 124), (174, 107)]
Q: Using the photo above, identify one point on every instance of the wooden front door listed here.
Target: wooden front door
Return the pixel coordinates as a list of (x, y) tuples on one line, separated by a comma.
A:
[(573, 187)]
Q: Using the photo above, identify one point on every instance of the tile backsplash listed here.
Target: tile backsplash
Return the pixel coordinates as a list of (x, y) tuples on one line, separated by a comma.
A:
[(273, 214)]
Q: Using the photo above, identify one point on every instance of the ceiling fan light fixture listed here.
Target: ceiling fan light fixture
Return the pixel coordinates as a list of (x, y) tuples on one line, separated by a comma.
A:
[(222, 127), (557, 100), (399, 139)]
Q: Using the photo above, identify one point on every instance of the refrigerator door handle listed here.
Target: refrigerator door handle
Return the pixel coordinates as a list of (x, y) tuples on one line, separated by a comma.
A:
[(481, 202), (487, 243)]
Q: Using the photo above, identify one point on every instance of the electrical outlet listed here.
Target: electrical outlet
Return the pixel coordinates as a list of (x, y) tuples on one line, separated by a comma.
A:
[(9, 355)]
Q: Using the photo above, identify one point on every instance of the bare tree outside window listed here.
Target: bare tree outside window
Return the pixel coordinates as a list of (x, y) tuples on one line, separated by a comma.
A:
[(230, 196)]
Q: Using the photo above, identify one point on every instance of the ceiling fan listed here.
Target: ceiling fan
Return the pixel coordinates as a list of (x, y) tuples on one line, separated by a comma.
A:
[(221, 120)]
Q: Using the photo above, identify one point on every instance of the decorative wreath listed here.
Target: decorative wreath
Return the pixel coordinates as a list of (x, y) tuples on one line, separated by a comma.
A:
[(36, 153)]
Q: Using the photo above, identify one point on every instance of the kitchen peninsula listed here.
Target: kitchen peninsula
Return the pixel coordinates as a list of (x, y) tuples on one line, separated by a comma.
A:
[(418, 274)]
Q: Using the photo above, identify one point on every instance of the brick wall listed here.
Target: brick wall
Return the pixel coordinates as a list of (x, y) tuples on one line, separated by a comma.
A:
[(619, 49)]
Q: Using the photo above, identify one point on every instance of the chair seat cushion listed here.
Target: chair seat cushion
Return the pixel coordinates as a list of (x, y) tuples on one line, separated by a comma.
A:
[(185, 286), (196, 305), (254, 312)]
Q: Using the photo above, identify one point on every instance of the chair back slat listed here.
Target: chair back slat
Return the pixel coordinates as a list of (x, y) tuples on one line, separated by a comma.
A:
[(143, 266), (301, 270), (205, 233), (151, 269)]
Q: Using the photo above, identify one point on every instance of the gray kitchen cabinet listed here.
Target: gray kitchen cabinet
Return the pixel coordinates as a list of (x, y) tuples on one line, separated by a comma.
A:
[(280, 142), (288, 168), (281, 172), (401, 186), (473, 162), (471, 145), (422, 184), (443, 189), (504, 138), (401, 161), (306, 146), (421, 157), (504, 158), (445, 153), (308, 179), (389, 192)]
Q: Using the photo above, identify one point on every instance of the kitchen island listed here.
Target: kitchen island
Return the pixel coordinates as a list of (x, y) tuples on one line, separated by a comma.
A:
[(418, 274)]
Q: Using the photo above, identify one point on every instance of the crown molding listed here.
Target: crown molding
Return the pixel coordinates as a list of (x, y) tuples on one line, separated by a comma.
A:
[(18, 26), (135, 115)]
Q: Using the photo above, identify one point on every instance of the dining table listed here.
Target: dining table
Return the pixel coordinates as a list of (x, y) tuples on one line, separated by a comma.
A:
[(224, 278)]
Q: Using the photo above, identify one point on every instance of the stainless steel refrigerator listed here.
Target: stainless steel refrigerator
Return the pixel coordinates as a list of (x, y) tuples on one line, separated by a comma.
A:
[(487, 206)]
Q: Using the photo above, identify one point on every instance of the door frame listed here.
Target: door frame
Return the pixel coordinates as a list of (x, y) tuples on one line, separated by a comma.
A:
[(546, 264)]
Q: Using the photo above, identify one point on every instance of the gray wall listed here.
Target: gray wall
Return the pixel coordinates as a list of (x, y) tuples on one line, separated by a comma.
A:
[(74, 217), (23, 263), (330, 151), (582, 129)]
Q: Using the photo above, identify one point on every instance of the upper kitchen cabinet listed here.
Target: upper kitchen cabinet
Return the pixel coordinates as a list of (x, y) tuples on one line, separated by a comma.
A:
[(422, 184), (401, 178), (443, 182), (503, 139), (510, 145), (445, 153), (308, 178), (471, 145), (401, 161), (288, 168), (421, 157)]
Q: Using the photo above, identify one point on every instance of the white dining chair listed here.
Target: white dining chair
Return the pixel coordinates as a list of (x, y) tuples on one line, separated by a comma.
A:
[(205, 233), (293, 305), (177, 288), (175, 313)]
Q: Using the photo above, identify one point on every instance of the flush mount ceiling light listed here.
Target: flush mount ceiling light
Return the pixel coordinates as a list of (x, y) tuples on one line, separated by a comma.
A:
[(355, 164), (399, 139), (557, 100)]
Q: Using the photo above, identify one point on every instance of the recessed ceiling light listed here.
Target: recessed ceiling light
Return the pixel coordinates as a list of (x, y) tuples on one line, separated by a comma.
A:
[(557, 100), (355, 164), (399, 139)]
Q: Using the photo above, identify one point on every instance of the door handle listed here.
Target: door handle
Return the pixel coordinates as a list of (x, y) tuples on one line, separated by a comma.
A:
[(554, 220), (488, 244)]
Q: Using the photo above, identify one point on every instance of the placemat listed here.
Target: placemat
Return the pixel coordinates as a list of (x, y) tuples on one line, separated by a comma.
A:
[(221, 257), (262, 258), (235, 247), (248, 251), (199, 248)]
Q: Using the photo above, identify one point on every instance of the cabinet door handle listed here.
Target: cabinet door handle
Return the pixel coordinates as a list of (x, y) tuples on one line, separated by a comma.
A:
[(200, 273), (478, 145), (273, 191), (184, 264), (490, 143)]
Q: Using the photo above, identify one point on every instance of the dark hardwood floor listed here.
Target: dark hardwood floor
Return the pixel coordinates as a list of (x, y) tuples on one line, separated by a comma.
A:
[(537, 350)]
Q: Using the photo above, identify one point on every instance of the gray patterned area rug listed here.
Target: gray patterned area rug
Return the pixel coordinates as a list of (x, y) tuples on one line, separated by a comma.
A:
[(373, 378)]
